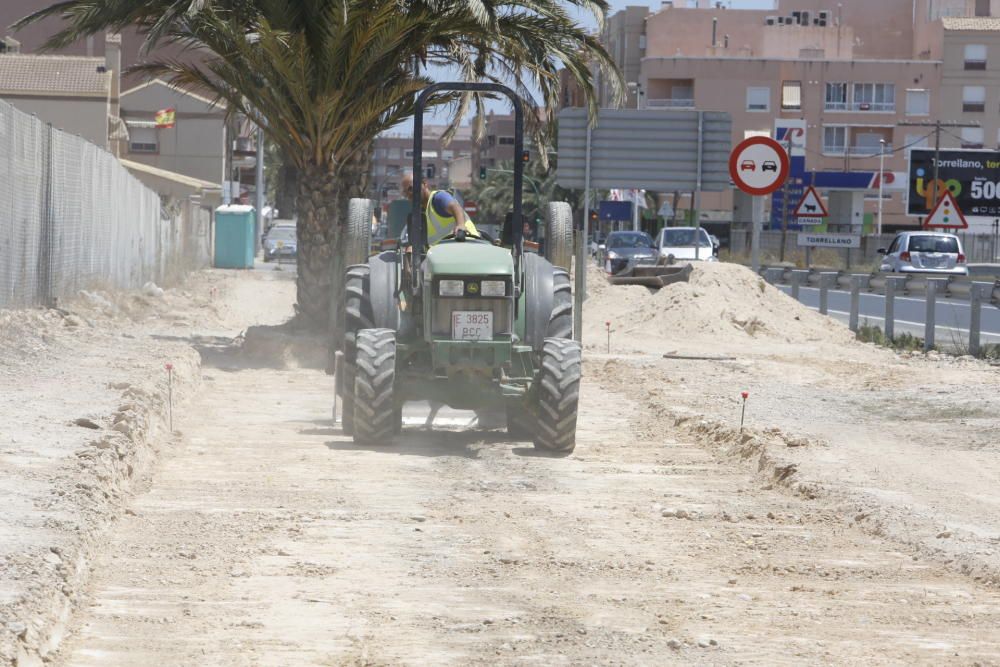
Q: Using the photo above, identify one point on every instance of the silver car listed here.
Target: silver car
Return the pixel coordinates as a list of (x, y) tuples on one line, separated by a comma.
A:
[(624, 248), (925, 252)]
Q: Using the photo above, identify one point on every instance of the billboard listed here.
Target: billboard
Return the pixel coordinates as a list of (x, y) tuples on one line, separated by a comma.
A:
[(790, 131), (972, 177)]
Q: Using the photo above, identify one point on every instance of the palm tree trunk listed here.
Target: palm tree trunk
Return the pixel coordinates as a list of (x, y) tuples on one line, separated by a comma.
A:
[(322, 201), (318, 236)]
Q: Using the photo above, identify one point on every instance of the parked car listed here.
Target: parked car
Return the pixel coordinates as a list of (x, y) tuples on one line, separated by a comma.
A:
[(925, 252), (280, 243), (623, 247), (679, 243)]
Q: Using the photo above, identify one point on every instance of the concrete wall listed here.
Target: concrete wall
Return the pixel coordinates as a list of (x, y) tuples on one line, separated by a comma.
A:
[(195, 147), (85, 117)]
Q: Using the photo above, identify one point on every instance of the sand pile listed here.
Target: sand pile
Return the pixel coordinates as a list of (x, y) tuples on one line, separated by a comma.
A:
[(722, 305)]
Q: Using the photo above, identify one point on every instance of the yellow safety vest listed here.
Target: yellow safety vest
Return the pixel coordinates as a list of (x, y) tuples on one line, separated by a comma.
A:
[(440, 226)]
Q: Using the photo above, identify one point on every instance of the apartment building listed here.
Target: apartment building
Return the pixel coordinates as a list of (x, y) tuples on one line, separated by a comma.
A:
[(497, 145), (393, 156), (858, 76)]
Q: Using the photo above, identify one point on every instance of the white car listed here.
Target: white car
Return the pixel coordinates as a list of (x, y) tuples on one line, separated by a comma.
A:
[(679, 243), (925, 252)]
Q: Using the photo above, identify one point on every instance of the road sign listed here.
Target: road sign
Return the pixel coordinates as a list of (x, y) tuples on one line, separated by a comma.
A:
[(758, 166), (946, 215), (645, 149), (471, 207), (811, 206), (821, 240), (666, 210)]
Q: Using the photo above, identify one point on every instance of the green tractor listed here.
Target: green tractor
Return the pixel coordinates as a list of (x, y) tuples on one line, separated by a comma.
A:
[(472, 323)]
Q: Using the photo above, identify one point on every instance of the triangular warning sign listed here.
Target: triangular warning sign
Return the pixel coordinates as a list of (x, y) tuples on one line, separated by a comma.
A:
[(811, 206), (946, 215)]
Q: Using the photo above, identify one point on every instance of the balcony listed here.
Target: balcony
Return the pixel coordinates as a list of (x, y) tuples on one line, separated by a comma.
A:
[(855, 151), (835, 106), (874, 107), (673, 103)]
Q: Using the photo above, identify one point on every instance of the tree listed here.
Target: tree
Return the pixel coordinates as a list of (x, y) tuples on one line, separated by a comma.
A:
[(325, 77)]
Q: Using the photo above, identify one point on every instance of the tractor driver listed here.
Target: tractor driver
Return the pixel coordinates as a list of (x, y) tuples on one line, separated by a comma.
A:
[(443, 213)]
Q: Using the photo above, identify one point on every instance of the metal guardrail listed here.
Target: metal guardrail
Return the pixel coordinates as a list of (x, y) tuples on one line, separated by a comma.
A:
[(890, 286)]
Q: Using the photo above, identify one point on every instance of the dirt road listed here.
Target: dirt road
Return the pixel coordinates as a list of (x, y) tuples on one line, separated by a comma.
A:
[(268, 538)]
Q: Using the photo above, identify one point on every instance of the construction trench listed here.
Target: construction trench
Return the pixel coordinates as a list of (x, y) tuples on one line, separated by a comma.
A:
[(853, 521)]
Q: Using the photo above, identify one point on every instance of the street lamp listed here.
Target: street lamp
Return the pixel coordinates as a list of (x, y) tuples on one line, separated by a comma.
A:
[(881, 181)]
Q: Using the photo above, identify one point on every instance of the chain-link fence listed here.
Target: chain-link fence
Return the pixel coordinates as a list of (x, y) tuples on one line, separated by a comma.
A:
[(72, 217)]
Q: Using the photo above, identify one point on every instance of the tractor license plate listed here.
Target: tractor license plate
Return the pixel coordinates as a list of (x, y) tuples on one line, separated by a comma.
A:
[(471, 325)]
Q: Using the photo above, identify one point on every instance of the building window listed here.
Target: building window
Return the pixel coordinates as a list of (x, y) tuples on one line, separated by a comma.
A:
[(836, 97), (791, 95), (972, 137), (834, 140), (506, 141), (868, 143), (877, 97), (982, 7), (974, 99), (758, 98), (143, 140), (918, 103), (394, 154), (447, 155), (975, 56)]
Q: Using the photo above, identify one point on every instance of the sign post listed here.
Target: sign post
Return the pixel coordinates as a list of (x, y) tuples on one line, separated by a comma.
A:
[(758, 167)]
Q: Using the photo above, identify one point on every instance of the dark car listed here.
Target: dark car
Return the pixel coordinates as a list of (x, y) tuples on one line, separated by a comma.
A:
[(280, 243), (624, 247)]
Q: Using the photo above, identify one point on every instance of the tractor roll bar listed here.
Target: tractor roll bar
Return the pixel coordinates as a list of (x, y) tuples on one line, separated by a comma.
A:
[(417, 229)]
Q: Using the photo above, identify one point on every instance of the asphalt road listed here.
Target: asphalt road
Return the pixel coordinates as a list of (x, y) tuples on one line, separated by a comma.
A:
[(952, 316)]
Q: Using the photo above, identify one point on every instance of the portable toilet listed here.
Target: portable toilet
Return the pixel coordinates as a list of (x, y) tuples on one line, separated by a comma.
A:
[(234, 237)]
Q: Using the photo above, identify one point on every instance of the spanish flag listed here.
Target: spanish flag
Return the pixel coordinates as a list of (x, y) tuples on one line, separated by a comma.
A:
[(164, 119)]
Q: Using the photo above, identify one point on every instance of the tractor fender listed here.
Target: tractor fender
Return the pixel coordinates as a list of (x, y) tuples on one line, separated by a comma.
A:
[(538, 290), (383, 284)]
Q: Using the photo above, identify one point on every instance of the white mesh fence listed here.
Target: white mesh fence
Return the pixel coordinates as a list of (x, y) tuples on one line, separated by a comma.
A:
[(72, 217)]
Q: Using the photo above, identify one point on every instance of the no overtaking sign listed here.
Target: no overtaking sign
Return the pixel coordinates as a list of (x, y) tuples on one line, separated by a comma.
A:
[(758, 165)]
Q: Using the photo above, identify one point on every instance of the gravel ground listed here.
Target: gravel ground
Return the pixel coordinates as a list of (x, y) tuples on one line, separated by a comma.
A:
[(266, 537)]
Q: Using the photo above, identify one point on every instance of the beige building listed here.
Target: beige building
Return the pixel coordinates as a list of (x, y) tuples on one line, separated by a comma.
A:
[(497, 145), (74, 93), (194, 147), (393, 156), (857, 73)]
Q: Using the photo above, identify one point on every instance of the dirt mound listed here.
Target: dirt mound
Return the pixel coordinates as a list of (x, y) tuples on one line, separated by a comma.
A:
[(723, 305)]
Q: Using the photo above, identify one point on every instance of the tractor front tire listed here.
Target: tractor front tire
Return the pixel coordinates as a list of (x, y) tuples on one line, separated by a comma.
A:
[(558, 395), (358, 242), (376, 415), (559, 234)]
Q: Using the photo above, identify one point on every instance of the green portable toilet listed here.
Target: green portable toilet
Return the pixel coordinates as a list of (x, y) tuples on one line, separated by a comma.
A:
[(234, 237)]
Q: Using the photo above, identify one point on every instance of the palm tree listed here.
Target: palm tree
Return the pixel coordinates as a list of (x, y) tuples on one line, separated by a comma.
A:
[(325, 77)]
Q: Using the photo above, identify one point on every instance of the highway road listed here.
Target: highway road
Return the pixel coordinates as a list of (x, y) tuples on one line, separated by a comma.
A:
[(952, 315)]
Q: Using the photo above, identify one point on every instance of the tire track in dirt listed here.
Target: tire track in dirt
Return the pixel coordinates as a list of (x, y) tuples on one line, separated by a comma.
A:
[(268, 538)]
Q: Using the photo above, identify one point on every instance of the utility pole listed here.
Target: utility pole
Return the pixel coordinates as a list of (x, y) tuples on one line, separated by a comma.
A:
[(784, 202), (937, 125)]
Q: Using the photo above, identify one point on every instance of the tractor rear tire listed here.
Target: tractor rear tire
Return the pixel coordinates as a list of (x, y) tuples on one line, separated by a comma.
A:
[(561, 319), (358, 309), (559, 234), (358, 239), (376, 415), (558, 395)]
